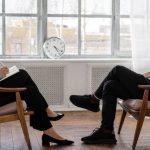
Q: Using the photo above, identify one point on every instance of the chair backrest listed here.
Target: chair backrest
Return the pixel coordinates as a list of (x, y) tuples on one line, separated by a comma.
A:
[(134, 106)]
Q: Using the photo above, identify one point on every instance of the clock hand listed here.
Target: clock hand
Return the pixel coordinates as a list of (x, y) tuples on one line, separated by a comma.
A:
[(57, 50)]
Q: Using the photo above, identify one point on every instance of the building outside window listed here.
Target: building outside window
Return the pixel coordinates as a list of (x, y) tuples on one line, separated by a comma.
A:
[(18, 48), (90, 29)]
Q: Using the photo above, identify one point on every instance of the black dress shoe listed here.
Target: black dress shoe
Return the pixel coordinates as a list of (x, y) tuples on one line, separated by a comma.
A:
[(47, 139), (58, 117), (99, 136), (84, 102)]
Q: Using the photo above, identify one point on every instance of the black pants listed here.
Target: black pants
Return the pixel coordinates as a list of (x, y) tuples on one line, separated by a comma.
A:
[(33, 98), (119, 83)]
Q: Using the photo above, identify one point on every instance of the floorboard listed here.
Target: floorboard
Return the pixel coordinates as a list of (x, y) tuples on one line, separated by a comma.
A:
[(74, 126)]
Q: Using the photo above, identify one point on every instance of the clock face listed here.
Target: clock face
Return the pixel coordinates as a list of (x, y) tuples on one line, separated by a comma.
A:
[(54, 47)]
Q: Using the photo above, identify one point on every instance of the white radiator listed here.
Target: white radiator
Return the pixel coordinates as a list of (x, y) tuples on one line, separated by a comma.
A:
[(58, 80), (50, 81)]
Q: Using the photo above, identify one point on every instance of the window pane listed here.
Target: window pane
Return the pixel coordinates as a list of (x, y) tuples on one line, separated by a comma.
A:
[(96, 7), (96, 36), (21, 36), (21, 6), (62, 6), (0, 35), (125, 6), (125, 34), (67, 29), (0, 6)]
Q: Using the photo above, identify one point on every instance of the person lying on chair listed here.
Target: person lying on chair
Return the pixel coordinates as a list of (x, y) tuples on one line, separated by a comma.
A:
[(43, 115), (121, 83)]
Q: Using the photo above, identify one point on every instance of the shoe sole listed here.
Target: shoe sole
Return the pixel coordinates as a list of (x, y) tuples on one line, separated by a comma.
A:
[(101, 142)]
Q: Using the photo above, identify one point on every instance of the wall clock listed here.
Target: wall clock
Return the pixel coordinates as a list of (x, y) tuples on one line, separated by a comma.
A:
[(54, 47)]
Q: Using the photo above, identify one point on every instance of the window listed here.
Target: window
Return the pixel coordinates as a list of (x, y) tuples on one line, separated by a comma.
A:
[(97, 28), (125, 30), (18, 28)]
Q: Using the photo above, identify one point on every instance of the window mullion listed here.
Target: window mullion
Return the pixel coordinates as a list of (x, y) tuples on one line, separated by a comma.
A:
[(3, 29), (113, 28), (79, 27), (117, 27), (42, 26)]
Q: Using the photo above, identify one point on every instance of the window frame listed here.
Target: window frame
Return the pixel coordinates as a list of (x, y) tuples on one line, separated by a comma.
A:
[(42, 16), (37, 16)]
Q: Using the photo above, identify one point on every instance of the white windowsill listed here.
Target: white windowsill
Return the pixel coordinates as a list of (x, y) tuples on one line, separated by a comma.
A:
[(69, 60)]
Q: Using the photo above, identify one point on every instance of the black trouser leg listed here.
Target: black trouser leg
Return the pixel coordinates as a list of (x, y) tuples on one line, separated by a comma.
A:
[(17, 80), (112, 90), (35, 101), (20, 79), (128, 80), (32, 97)]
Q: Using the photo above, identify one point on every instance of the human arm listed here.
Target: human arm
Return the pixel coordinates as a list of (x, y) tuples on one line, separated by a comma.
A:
[(146, 75)]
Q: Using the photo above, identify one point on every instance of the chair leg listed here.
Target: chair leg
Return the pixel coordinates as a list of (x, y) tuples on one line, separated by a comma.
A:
[(25, 131), (22, 120), (137, 131), (122, 121)]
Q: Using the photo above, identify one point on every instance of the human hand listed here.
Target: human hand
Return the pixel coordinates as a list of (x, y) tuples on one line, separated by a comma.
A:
[(3, 71), (146, 75)]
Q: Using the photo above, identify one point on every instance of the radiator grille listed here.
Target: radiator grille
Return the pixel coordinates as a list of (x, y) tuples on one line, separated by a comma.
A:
[(98, 75), (50, 81)]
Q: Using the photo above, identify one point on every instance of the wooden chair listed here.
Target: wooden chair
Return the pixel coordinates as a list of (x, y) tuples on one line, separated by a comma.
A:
[(15, 111), (138, 108)]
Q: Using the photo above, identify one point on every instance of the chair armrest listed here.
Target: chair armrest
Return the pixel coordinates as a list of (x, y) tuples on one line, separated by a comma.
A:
[(144, 86), (4, 89), (144, 105)]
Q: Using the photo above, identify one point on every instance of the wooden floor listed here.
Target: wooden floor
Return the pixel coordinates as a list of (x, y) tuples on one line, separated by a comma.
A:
[(73, 126)]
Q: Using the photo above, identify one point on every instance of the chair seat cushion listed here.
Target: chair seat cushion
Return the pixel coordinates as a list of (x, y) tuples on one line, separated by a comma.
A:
[(133, 104), (10, 108)]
